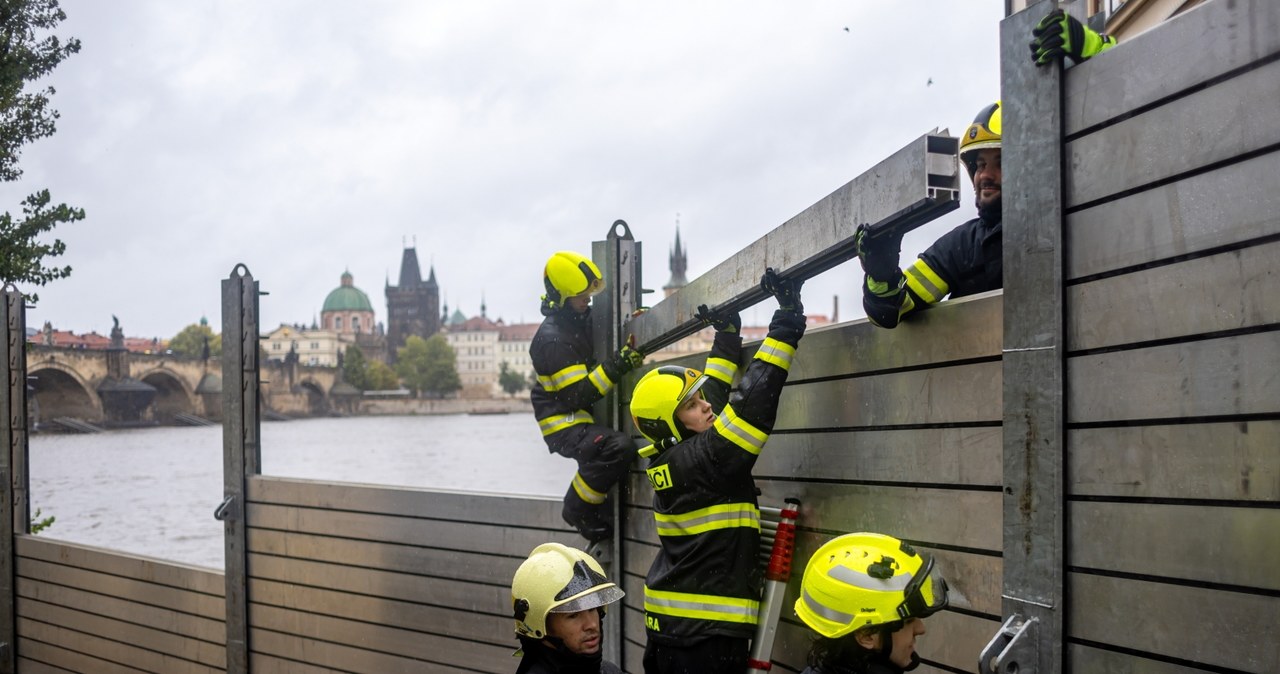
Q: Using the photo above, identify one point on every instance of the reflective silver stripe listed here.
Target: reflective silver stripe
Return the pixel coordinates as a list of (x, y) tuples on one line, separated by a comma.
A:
[(919, 281), (559, 422), (739, 432), (895, 583), (600, 380), (838, 617), (776, 352), (563, 378), (585, 492), (727, 516), (701, 606), (721, 369)]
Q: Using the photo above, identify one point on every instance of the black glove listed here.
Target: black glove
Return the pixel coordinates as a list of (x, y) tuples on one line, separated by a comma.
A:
[(878, 254), (1059, 34), (722, 321), (786, 290), (627, 359)]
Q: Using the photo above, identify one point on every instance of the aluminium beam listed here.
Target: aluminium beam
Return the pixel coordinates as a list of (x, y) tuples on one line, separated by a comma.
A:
[(14, 509), (913, 186)]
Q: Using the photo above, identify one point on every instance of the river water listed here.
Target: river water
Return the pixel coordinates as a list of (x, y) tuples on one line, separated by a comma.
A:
[(153, 491)]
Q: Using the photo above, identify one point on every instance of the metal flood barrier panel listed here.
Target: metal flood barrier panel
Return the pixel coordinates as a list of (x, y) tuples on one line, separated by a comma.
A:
[(356, 578), (890, 431), (1172, 334), (82, 609)]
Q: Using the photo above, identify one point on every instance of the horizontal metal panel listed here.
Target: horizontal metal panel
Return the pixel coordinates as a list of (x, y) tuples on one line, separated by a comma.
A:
[(961, 456), (381, 611), (385, 584), (1232, 546), (1228, 291), (948, 395), (1224, 206), (163, 640), (970, 519), (1232, 375), (462, 565), (962, 329), (462, 657), (639, 525), (64, 658), (413, 645), (104, 655), (898, 188), (261, 662), (138, 591), (1212, 125), (1088, 660), (1154, 65), (1202, 461), (950, 639), (27, 666), (504, 509), (471, 535), (1238, 629), (90, 601), (172, 574)]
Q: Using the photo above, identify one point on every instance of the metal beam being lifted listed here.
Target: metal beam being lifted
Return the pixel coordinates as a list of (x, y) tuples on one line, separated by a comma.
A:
[(913, 186)]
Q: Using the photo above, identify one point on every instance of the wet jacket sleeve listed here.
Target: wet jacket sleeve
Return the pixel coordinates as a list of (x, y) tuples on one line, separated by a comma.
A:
[(744, 425), (570, 380)]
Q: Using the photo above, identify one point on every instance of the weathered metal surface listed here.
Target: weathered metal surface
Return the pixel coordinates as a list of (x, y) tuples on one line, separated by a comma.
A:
[(1231, 545), (1224, 461), (1213, 377), (1227, 291), (1156, 64), (174, 619), (954, 456), (14, 515), (1212, 125), (1222, 207), (159, 643), (240, 432), (819, 238), (1033, 341), (1089, 660), (1147, 616), (351, 659)]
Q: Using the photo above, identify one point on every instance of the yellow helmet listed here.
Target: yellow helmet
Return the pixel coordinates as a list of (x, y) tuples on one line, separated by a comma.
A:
[(858, 580), (557, 579), (655, 399), (568, 274), (982, 134)]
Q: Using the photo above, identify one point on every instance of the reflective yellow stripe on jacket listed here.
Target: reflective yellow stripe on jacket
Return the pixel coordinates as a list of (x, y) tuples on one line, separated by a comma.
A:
[(564, 378), (559, 422), (726, 516), (600, 380), (925, 282), (736, 430), (701, 606), (776, 352), (721, 369), (586, 492)]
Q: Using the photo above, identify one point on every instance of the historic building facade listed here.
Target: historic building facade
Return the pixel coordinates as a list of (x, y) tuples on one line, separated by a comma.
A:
[(413, 307)]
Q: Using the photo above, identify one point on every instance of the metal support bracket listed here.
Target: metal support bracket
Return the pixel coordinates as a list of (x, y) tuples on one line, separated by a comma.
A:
[(1012, 650), (222, 512)]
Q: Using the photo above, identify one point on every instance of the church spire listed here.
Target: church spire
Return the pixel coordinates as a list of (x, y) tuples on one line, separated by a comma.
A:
[(678, 262)]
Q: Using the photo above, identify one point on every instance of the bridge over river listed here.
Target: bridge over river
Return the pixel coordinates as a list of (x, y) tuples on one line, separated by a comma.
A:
[(114, 387)]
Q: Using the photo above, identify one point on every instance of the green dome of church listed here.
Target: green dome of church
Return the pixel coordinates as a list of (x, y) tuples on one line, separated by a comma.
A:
[(347, 297)]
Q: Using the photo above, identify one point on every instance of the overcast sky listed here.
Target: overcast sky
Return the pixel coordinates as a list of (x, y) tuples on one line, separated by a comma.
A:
[(304, 138)]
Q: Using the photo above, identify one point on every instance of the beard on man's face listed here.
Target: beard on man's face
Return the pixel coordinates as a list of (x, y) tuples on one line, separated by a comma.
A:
[(990, 211)]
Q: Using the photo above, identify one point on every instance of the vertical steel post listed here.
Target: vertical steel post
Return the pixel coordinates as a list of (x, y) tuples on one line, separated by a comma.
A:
[(241, 456), (618, 257), (15, 515), (1034, 353)]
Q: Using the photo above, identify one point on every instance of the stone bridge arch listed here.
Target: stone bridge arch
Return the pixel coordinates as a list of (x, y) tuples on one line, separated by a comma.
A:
[(317, 400), (173, 395), (57, 390)]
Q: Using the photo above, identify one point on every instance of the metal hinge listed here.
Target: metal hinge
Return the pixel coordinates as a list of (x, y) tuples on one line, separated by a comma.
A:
[(1012, 650)]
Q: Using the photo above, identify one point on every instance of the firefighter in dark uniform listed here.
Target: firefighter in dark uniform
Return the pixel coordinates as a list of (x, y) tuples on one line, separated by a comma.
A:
[(569, 383), (558, 597), (867, 595), (702, 592), (970, 258)]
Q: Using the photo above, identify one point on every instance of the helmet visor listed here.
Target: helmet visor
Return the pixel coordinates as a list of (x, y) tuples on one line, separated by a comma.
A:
[(602, 596), (926, 594), (692, 389)]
